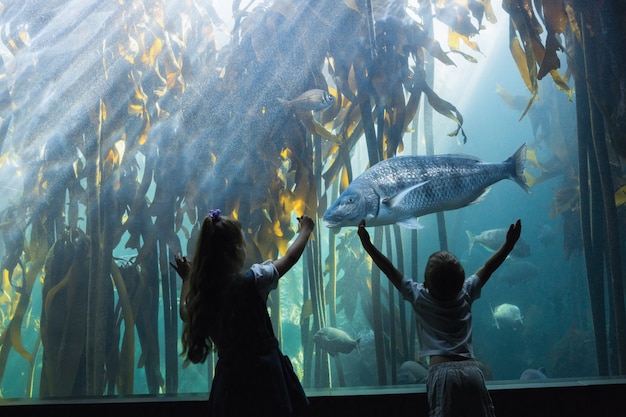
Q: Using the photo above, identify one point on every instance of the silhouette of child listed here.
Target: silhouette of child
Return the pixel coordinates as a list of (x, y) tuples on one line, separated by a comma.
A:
[(225, 309), (455, 385)]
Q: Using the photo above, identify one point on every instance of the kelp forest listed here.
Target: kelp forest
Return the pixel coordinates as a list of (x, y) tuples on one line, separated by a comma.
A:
[(123, 123)]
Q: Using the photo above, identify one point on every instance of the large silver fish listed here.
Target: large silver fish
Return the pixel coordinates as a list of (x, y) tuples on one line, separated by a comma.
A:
[(402, 188), (315, 100)]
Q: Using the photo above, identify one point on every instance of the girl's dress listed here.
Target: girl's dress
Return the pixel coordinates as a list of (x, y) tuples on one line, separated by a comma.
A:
[(252, 376)]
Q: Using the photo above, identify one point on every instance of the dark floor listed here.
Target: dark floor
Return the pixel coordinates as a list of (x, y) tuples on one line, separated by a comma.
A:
[(582, 398)]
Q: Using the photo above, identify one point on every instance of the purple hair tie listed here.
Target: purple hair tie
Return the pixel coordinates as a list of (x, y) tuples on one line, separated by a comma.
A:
[(215, 215)]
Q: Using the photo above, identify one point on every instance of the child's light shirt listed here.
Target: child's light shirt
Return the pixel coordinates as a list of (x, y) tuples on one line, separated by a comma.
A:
[(444, 328), (266, 276)]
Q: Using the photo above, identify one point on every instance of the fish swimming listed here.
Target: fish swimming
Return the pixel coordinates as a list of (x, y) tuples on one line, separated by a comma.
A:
[(547, 235), (315, 100), (517, 272), (507, 316), (533, 374), (494, 238), (334, 341), (412, 372), (402, 188)]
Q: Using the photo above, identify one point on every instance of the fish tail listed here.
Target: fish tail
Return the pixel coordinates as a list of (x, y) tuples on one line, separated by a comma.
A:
[(472, 239), (282, 101), (519, 159), (495, 320)]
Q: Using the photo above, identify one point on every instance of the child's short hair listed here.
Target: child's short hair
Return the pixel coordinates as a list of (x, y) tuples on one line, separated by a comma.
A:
[(444, 275)]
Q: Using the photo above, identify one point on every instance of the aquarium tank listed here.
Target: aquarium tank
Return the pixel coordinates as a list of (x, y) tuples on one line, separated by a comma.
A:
[(122, 123)]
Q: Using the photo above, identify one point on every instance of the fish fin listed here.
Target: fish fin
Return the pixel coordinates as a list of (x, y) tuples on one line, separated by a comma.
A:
[(481, 197), (495, 320), (519, 159), (396, 199), (472, 239), (411, 223), (282, 101)]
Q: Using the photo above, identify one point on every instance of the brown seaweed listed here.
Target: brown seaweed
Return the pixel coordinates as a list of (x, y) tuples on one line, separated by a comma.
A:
[(172, 126)]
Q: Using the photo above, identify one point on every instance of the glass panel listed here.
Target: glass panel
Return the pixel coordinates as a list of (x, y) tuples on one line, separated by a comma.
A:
[(123, 123)]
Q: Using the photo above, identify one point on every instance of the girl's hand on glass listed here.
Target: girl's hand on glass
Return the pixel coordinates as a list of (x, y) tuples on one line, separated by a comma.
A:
[(306, 223), (182, 266)]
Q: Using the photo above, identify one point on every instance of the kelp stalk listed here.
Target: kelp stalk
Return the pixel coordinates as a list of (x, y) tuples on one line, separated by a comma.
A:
[(391, 291), (170, 318), (370, 29), (593, 259), (96, 322), (594, 157), (401, 303), (127, 354), (374, 147), (322, 377), (428, 128), (331, 295), (11, 336), (305, 332), (414, 246), (611, 241), (377, 319)]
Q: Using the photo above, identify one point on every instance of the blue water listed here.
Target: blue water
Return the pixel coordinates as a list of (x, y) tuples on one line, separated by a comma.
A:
[(74, 76)]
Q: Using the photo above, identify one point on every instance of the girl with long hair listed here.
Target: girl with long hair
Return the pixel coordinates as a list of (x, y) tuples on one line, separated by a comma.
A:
[(224, 308)]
